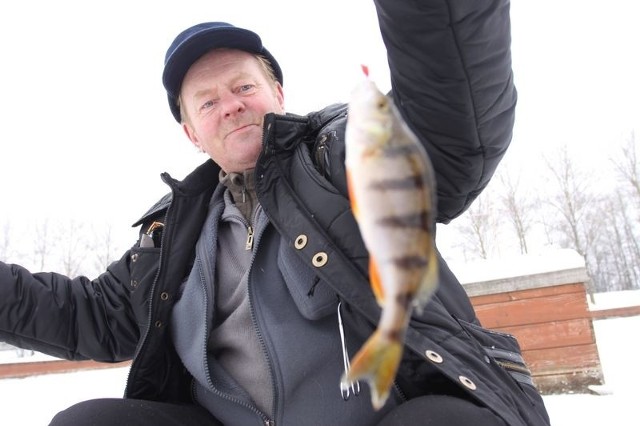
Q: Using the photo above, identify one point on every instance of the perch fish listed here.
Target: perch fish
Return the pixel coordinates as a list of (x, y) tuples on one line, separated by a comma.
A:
[(392, 194)]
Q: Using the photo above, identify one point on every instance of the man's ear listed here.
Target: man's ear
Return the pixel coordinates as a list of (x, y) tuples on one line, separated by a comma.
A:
[(280, 95), (192, 136)]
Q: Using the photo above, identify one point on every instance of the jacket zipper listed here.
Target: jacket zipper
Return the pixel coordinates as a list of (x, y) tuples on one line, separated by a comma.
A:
[(508, 365), (163, 238)]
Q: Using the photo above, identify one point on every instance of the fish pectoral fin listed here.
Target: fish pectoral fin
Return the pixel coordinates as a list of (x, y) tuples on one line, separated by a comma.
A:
[(376, 283), (377, 362), (429, 284)]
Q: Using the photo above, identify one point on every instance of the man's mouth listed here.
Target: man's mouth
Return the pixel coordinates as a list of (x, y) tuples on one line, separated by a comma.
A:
[(241, 128)]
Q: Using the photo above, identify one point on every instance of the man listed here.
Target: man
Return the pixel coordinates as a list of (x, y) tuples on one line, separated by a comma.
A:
[(248, 289)]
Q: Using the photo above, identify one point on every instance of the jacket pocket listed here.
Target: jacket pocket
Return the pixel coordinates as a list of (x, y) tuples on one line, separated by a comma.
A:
[(144, 267), (313, 297), (503, 349)]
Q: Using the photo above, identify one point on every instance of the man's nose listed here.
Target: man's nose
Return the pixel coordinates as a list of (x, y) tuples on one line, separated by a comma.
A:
[(232, 105)]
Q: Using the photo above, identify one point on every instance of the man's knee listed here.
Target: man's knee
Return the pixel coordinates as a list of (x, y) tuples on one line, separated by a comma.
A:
[(94, 412), (440, 410), (132, 412)]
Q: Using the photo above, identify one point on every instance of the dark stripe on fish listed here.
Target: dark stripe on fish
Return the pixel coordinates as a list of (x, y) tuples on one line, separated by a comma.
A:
[(410, 262), (394, 335), (406, 183), (414, 220), (405, 300), (391, 151)]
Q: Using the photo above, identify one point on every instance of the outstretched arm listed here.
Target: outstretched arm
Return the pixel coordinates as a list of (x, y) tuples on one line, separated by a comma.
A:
[(451, 78), (68, 318)]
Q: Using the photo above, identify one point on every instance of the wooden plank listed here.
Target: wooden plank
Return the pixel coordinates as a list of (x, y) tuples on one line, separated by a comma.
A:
[(625, 311), (533, 311), (565, 360), (528, 294), (554, 334), (24, 369)]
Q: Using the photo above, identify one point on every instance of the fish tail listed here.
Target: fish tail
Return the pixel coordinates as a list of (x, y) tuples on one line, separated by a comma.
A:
[(377, 362)]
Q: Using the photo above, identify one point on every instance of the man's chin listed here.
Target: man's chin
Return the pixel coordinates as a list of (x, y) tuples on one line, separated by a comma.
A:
[(240, 163)]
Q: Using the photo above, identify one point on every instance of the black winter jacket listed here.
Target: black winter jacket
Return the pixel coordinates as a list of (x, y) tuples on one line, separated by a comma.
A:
[(451, 79)]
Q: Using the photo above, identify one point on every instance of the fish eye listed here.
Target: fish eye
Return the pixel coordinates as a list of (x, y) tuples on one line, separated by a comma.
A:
[(382, 103)]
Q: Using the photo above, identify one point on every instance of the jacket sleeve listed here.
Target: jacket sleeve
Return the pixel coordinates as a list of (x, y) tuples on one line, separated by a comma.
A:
[(451, 78), (68, 318)]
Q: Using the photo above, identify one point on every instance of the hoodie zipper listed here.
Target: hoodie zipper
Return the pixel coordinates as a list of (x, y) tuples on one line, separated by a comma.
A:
[(254, 320), (264, 417), (249, 243)]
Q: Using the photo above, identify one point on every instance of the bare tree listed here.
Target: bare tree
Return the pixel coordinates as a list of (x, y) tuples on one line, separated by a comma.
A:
[(5, 242), (572, 200), (73, 247), (519, 207), (43, 244), (104, 248), (623, 216), (627, 167), (624, 249), (478, 227)]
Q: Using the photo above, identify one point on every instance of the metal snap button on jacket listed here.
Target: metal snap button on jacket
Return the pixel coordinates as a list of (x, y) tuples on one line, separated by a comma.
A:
[(300, 242), (434, 357), (320, 259), (467, 382)]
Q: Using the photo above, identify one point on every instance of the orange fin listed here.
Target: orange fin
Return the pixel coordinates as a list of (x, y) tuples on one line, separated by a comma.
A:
[(352, 195), (376, 284), (377, 362)]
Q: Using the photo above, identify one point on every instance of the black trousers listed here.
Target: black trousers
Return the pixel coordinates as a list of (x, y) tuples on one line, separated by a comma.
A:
[(434, 410), (133, 412)]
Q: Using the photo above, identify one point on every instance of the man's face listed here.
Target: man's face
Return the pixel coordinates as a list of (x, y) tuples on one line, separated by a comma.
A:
[(225, 96)]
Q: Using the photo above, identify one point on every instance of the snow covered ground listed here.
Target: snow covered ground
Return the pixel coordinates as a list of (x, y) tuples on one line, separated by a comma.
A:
[(34, 400), (618, 346)]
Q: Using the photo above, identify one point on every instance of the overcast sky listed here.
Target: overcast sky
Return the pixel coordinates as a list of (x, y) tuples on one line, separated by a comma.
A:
[(85, 129)]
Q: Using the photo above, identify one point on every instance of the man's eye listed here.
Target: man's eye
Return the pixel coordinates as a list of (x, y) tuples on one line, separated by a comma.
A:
[(245, 88), (207, 105)]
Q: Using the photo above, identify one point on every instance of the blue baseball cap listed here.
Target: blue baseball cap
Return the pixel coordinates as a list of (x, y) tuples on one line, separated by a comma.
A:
[(195, 41)]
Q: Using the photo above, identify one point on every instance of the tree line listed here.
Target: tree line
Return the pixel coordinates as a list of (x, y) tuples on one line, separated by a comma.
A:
[(595, 212), (71, 247)]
